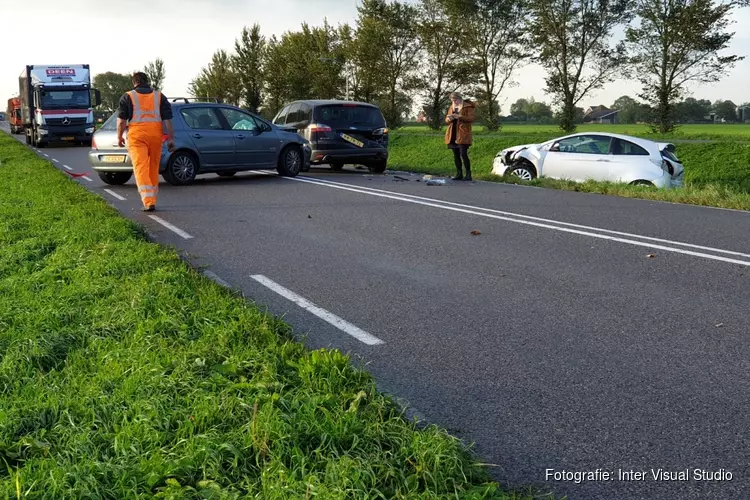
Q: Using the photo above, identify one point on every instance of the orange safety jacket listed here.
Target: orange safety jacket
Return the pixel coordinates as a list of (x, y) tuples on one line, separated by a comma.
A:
[(146, 111)]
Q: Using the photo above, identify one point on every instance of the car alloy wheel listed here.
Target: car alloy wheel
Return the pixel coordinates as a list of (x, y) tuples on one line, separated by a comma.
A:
[(290, 162), (183, 168), (522, 172)]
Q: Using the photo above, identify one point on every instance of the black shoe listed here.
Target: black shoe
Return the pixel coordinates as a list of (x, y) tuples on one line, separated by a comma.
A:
[(468, 176), (458, 176)]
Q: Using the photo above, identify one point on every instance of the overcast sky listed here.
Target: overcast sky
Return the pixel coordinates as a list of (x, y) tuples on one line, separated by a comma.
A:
[(124, 36)]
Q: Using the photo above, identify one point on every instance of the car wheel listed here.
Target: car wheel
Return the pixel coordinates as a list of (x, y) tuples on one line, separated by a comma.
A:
[(181, 169), (225, 174), (115, 178), (641, 182), (337, 167), (378, 167), (523, 171), (290, 162)]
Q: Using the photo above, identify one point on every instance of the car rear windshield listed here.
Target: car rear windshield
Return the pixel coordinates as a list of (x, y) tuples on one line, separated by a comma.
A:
[(111, 123), (349, 115), (669, 155)]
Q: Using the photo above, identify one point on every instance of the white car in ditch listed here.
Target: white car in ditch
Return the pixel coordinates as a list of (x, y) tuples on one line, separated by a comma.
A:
[(597, 156)]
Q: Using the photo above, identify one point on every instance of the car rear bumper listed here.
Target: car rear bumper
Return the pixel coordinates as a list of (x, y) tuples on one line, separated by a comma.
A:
[(98, 159), (364, 155)]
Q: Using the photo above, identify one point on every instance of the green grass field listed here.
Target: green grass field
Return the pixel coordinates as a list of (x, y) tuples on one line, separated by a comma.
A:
[(716, 174), (126, 374), (725, 132)]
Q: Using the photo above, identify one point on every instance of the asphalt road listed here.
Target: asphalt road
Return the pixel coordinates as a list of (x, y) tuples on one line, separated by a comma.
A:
[(577, 332)]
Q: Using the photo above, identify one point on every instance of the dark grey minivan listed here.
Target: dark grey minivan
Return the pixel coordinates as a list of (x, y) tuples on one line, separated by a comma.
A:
[(340, 132)]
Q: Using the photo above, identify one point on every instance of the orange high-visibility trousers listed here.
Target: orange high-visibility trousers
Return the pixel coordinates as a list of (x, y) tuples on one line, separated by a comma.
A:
[(144, 147)]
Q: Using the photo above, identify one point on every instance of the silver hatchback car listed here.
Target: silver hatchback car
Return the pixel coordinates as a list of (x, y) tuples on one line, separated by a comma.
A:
[(209, 138)]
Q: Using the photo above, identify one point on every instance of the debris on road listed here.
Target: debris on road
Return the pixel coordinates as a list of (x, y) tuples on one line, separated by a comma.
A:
[(476, 233), (436, 182), (75, 175), (651, 255), (719, 325), (396, 177), (309, 216)]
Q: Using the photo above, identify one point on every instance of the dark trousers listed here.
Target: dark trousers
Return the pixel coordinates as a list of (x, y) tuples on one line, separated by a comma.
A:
[(461, 152)]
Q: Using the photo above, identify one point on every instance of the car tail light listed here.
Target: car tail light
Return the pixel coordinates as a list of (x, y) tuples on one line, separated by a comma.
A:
[(93, 142), (380, 131), (317, 127)]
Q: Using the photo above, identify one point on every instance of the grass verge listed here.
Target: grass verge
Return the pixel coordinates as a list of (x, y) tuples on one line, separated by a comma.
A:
[(716, 174), (126, 374), (719, 131)]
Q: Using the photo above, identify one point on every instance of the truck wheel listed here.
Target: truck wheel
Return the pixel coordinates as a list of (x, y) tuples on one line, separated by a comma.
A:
[(115, 178), (181, 169)]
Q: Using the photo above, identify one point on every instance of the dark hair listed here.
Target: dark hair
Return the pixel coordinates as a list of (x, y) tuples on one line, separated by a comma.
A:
[(140, 78)]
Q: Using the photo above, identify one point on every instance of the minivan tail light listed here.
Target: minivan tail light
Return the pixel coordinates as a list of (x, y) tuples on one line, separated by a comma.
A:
[(317, 127)]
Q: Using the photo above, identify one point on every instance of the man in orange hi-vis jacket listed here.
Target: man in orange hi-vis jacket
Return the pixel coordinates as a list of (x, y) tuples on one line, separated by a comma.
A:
[(143, 110)]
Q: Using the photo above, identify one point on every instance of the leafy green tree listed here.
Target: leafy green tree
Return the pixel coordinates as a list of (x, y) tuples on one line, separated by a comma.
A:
[(248, 63), (446, 67), (573, 40), (693, 110), (156, 73), (725, 110), (112, 86), (630, 110), (677, 42), (496, 47), (218, 80), (277, 87), (385, 54)]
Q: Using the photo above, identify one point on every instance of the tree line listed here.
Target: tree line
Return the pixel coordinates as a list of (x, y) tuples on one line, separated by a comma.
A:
[(398, 54), (631, 110), (112, 85)]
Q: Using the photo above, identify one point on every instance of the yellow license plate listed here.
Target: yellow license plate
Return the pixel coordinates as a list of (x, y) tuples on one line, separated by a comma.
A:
[(352, 140), (68, 138), (113, 159)]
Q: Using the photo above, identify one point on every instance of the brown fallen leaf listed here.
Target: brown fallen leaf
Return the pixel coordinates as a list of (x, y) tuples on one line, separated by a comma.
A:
[(651, 255), (476, 233)]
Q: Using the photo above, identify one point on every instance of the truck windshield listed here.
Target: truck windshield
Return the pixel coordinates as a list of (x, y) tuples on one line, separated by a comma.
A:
[(65, 99)]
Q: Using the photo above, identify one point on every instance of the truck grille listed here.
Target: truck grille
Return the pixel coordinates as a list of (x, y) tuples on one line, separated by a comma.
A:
[(59, 121)]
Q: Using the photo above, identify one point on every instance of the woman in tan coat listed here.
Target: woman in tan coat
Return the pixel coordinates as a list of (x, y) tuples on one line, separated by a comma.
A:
[(458, 137)]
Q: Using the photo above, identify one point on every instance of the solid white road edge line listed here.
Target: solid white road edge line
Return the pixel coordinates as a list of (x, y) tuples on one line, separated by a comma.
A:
[(529, 223), (67, 167), (45, 154), (121, 198), (171, 227), (530, 217), (321, 313), (55, 160), (87, 178)]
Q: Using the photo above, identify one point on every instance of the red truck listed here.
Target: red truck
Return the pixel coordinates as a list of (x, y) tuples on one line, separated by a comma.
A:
[(14, 115)]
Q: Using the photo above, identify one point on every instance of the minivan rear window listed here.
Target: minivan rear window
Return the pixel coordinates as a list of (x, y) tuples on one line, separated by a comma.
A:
[(350, 115)]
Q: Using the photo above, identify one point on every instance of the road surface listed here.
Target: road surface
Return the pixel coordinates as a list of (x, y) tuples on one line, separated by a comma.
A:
[(576, 333)]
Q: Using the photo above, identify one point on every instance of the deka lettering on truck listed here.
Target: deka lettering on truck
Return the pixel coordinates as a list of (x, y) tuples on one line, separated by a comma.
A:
[(57, 104)]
